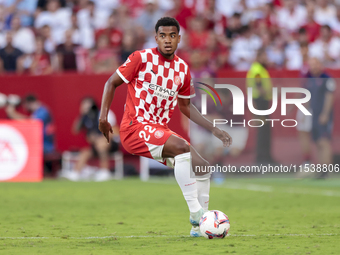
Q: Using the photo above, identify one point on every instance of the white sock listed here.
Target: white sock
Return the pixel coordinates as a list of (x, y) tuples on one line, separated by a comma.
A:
[(187, 184), (203, 189)]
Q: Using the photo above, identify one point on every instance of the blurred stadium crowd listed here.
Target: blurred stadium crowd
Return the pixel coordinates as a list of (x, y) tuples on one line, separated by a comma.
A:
[(46, 36)]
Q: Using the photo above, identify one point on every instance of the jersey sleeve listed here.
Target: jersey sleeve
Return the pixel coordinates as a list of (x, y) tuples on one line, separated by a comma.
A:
[(130, 68), (187, 90)]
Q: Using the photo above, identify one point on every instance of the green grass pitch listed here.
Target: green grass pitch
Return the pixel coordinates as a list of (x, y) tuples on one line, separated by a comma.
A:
[(268, 216)]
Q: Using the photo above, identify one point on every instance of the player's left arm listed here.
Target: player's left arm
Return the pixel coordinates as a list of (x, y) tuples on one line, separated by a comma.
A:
[(329, 100), (189, 110), (186, 92)]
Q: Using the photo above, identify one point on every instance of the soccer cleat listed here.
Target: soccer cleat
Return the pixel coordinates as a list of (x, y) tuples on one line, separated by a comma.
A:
[(195, 232), (195, 218)]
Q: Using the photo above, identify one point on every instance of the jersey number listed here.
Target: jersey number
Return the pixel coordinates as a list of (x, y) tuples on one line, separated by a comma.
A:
[(143, 135)]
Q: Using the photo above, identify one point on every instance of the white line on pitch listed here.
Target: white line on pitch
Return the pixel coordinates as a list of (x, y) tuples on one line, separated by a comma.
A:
[(164, 236)]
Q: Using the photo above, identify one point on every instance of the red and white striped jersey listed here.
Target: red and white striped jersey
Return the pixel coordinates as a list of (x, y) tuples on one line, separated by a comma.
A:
[(154, 83)]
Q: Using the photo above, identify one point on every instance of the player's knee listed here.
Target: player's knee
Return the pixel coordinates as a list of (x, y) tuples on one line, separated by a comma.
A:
[(181, 147)]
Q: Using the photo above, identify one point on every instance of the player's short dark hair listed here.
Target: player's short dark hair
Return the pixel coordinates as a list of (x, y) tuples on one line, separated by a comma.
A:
[(167, 22), (30, 98)]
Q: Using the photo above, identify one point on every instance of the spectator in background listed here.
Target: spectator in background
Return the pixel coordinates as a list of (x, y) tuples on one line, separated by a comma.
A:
[(311, 27), (92, 17), (181, 13), (215, 20), (83, 36), (58, 19), (112, 32), (104, 59), (23, 37), (2, 40), (228, 8), (292, 51), (88, 121), (297, 57), (335, 24), (49, 43), (41, 62), (2, 26), (2, 17), (243, 49), (42, 4), (234, 27), (79, 5), (274, 50), (322, 88), (128, 46), (197, 34), (37, 111), (326, 48), (269, 19), (324, 12), (10, 57), (24, 9), (126, 23), (135, 7), (146, 20), (292, 16), (66, 54)]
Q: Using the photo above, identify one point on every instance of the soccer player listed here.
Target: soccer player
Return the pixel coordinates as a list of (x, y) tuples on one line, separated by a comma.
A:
[(157, 80)]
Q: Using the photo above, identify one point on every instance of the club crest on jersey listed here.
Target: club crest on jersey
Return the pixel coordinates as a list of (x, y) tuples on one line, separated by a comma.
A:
[(177, 80), (159, 134)]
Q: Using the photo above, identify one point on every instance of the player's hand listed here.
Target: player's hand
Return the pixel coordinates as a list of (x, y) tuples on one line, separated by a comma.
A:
[(106, 129), (323, 118), (223, 136)]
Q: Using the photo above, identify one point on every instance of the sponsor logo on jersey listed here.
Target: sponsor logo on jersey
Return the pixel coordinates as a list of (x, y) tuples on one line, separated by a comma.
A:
[(159, 134), (162, 92)]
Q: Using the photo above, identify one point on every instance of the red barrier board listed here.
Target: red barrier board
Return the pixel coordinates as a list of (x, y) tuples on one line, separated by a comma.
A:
[(21, 151)]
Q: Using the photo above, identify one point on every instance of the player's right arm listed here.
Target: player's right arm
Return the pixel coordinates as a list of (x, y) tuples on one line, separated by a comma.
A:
[(109, 90), (125, 73)]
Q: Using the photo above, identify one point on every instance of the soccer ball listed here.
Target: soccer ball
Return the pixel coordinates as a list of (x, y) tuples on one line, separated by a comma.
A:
[(214, 224)]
